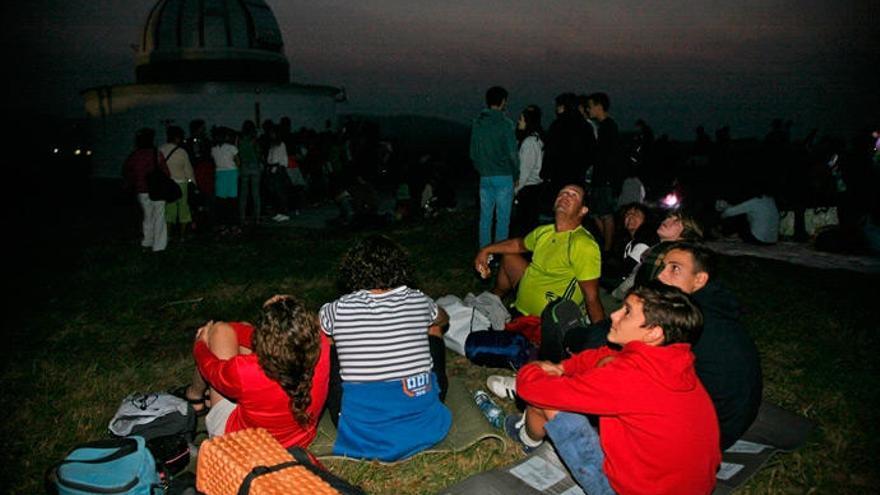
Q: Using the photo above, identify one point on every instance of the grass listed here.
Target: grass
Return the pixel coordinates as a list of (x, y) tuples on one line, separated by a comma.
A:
[(93, 322)]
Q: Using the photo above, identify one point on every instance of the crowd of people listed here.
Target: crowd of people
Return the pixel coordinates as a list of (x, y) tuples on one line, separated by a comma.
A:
[(229, 179), (641, 400)]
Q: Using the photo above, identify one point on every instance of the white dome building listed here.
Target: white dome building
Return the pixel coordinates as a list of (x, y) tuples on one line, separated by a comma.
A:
[(218, 60)]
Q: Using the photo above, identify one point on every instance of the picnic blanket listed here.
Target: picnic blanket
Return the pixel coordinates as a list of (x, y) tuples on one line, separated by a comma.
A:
[(798, 253), (468, 426), (542, 472)]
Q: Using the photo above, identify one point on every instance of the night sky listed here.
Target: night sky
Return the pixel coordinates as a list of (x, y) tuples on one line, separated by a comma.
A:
[(677, 65)]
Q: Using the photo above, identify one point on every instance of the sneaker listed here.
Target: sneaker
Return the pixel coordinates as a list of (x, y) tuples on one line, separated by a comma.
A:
[(502, 386), (513, 423)]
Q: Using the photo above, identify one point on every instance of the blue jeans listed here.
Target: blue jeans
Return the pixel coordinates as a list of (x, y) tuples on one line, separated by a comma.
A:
[(496, 196), (577, 444)]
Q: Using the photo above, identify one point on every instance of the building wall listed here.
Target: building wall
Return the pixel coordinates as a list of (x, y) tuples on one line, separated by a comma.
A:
[(115, 113)]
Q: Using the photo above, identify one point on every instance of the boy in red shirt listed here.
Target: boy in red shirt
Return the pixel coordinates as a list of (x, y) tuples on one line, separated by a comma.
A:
[(659, 433)]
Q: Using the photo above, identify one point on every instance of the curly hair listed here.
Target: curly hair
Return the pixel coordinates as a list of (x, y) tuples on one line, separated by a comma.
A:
[(374, 262), (287, 343)]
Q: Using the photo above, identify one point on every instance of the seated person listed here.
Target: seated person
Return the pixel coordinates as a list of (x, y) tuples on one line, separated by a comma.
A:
[(658, 432), (761, 225), (638, 237), (677, 226), (728, 362), (272, 375), (566, 261), (390, 405)]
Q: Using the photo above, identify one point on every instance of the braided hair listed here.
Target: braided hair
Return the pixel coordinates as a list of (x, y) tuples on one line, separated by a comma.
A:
[(287, 344)]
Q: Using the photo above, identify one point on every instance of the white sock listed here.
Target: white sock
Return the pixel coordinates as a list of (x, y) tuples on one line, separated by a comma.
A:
[(524, 434)]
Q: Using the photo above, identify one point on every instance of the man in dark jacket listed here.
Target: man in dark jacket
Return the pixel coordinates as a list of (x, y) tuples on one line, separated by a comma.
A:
[(494, 153), (570, 145), (727, 361)]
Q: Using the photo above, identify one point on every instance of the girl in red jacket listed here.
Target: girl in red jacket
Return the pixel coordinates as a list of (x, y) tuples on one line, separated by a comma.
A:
[(658, 433), (273, 375)]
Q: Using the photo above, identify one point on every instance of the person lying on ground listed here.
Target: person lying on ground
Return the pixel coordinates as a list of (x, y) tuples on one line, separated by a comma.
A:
[(271, 375), (565, 263), (657, 428), (389, 375)]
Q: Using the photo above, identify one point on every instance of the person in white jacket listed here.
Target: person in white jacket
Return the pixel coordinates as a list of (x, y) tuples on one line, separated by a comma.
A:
[(762, 217), (531, 155)]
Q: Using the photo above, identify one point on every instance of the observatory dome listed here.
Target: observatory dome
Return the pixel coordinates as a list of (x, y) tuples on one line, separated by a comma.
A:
[(211, 41)]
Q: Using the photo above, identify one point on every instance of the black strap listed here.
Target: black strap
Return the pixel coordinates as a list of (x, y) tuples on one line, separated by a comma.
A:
[(336, 483), (123, 446), (245, 486), (172, 152)]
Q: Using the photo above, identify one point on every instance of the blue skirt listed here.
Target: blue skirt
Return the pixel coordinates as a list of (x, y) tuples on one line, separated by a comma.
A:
[(391, 420), (226, 183)]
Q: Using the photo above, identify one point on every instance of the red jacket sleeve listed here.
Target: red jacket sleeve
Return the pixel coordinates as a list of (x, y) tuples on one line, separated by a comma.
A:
[(223, 374), (585, 360), (615, 388)]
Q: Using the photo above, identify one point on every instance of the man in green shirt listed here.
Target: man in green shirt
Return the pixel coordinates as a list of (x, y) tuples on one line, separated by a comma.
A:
[(566, 261)]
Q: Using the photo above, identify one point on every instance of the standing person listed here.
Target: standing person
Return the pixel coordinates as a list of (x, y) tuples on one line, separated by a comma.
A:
[(226, 160), (531, 156), (139, 164), (606, 172), (181, 171), (199, 148), (250, 155), (570, 146), (277, 181), (494, 154)]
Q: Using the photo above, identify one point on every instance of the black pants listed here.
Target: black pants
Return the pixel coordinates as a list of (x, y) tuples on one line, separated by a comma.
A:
[(334, 395)]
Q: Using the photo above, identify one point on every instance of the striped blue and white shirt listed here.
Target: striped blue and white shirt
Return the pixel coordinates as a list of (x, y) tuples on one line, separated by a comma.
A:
[(380, 337)]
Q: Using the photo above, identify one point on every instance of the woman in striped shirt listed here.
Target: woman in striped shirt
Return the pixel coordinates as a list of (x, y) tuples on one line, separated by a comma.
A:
[(390, 404)]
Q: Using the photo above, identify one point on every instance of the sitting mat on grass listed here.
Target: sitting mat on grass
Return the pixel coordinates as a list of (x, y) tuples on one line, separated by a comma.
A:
[(468, 426), (541, 473)]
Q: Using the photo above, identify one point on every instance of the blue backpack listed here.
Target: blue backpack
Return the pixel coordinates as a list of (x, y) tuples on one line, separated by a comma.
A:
[(497, 349), (118, 466)]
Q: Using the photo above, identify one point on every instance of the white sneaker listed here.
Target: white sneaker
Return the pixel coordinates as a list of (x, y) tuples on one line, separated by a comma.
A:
[(502, 386), (281, 218)]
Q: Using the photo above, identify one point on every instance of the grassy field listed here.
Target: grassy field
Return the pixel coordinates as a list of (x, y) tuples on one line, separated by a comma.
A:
[(96, 318)]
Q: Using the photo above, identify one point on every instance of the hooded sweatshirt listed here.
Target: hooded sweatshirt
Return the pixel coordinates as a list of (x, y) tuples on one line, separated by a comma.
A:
[(657, 426), (728, 363), (493, 145)]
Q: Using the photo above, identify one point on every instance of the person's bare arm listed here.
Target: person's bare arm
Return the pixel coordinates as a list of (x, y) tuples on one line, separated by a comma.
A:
[(437, 326), (590, 289), (509, 246)]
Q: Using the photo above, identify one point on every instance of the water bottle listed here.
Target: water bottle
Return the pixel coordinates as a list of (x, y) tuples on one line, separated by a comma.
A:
[(493, 413)]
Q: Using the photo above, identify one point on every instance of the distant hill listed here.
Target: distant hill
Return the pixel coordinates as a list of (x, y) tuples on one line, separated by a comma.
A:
[(415, 135)]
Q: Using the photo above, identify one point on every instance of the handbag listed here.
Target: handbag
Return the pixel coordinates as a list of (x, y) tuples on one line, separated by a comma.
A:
[(121, 466), (194, 195), (160, 186), (153, 415)]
